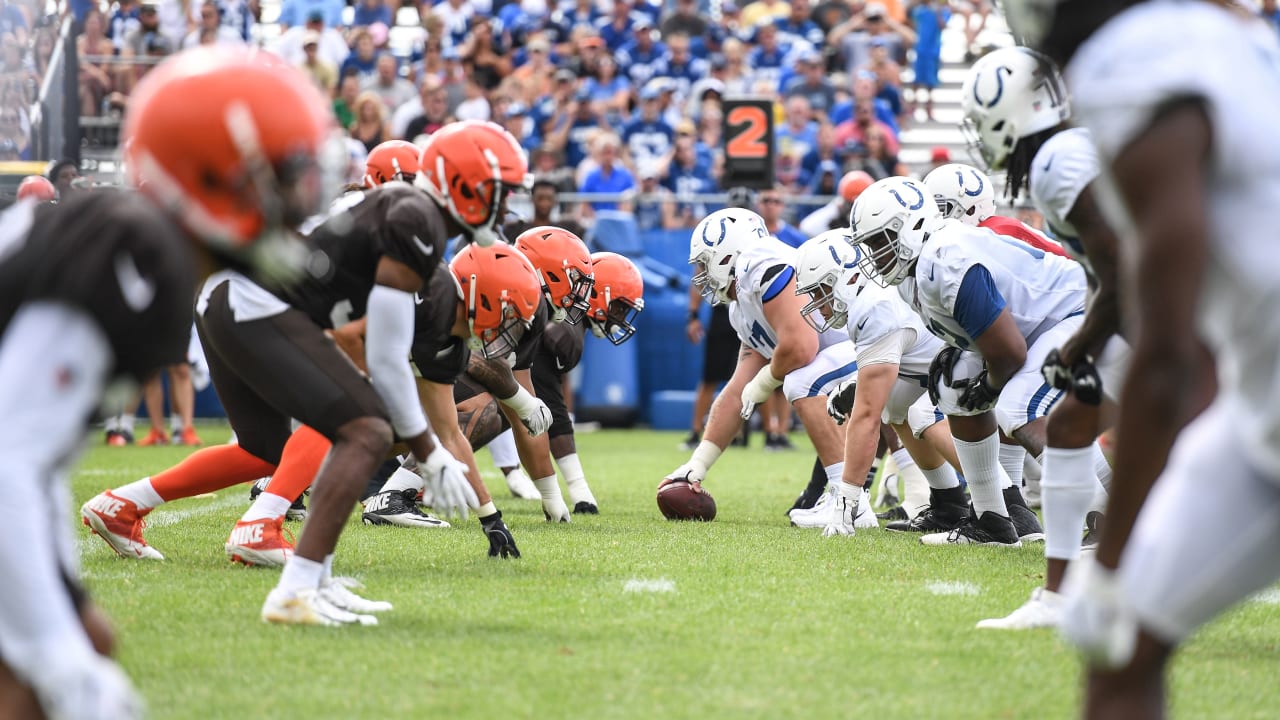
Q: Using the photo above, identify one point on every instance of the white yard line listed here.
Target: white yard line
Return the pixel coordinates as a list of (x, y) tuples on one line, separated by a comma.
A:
[(640, 585), (951, 587)]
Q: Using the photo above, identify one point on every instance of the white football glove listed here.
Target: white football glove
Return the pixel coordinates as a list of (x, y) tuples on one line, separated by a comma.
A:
[(534, 414), (1095, 617), (758, 390), (840, 401), (688, 471), (92, 688), (845, 513), (695, 471), (446, 478)]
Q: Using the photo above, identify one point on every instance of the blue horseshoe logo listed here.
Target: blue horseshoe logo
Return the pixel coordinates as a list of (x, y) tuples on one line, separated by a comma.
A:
[(976, 176), (724, 230), (919, 195), (846, 265), (999, 88)]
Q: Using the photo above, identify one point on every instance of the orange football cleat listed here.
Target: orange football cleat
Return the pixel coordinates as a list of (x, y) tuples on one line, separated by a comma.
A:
[(260, 542), (120, 523), (189, 437), (155, 437)]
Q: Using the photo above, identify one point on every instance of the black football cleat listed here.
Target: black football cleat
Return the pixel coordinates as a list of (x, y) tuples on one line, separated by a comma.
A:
[(988, 529)]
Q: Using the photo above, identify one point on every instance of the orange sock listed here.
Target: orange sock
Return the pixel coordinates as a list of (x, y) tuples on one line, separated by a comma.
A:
[(212, 468), (301, 460)]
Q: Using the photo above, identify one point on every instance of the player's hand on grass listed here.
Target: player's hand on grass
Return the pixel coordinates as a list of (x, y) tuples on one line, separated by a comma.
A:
[(1095, 617), (534, 414), (501, 543), (446, 478)]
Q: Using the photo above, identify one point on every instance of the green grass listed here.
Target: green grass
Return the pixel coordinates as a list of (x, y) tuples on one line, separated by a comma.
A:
[(764, 621)]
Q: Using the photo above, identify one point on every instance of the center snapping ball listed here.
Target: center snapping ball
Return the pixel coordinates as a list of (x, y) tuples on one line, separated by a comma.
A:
[(678, 501)]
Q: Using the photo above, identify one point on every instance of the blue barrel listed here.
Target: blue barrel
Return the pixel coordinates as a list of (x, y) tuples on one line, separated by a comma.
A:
[(609, 390)]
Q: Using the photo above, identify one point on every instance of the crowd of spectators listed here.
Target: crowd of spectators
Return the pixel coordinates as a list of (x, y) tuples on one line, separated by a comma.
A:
[(27, 39)]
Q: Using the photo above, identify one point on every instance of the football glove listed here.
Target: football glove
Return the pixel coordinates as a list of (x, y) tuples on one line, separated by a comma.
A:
[(940, 370), (1095, 617), (842, 517), (1081, 379), (840, 401), (446, 479), (976, 393), (758, 390), (501, 543), (534, 414)]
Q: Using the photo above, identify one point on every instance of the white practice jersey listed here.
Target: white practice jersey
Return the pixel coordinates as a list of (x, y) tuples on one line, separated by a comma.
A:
[(761, 272), (1060, 171), (1163, 50), (1039, 289), (879, 313)]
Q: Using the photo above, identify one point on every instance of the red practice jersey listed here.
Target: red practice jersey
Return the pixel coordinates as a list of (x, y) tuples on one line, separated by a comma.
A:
[(1014, 228)]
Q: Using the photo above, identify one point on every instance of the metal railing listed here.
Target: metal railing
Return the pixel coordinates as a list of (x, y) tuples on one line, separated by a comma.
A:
[(49, 119)]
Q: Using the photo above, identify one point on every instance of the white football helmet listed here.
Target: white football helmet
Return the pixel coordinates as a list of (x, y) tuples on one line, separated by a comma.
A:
[(963, 193), (891, 221), (1009, 94), (714, 248), (827, 270)]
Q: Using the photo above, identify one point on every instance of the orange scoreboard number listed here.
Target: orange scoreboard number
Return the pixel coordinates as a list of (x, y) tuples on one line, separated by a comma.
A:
[(748, 144)]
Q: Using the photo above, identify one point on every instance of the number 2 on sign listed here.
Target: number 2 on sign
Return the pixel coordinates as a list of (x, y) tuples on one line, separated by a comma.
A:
[(748, 142)]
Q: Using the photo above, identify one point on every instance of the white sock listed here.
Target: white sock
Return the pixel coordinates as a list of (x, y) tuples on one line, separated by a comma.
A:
[(326, 574), (402, 480), (140, 493), (915, 489), (942, 477), (300, 574), (834, 473), (1101, 468), (503, 450), (175, 424), (575, 479), (548, 488), (1066, 490), (1031, 472), (903, 459), (268, 506), (981, 464), (126, 422), (1011, 459)]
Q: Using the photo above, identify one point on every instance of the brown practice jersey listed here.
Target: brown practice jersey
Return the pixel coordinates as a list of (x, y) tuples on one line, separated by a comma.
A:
[(394, 220), (113, 256)]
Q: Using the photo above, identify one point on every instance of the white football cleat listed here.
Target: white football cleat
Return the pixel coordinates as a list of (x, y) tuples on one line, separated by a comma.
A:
[(120, 523), (89, 688), (520, 485), (818, 516), (338, 593), (866, 517), (308, 607), (1043, 610)]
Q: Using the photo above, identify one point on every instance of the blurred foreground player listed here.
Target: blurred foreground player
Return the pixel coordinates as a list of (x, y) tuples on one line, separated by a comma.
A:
[(224, 147)]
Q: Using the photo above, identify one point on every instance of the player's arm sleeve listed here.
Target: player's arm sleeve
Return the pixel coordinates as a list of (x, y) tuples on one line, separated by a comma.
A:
[(978, 302), (563, 342), (527, 349), (413, 234), (883, 336), (774, 280), (388, 344)]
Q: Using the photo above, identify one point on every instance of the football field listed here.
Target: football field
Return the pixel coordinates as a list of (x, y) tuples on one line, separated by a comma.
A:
[(621, 615)]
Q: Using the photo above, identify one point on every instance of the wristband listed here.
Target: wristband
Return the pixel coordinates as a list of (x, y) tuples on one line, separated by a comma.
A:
[(522, 402), (693, 315), (704, 456)]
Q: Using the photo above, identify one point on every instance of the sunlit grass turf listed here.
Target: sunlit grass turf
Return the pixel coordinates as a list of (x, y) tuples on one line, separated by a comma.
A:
[(763, 620)]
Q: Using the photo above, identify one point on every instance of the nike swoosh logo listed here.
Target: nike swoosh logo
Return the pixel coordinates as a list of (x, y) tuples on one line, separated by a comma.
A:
[(559, 365), (138, 291), (417, 299), (863, 323), (1049, 162), (931, 273), (423, 247)]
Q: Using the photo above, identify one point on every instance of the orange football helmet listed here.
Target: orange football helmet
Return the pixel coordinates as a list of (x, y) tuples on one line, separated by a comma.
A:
[(501, 291), (239, 146), (38, 188), (853, 183), (564, 263), (468, 168), (616, 298), (391, 160)]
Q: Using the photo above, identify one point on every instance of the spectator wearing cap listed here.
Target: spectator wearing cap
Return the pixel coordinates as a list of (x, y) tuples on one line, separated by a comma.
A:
[(638, 55), (211, 30), (609, 177), (454, 75), (929, 18), (515, 120), (830, 13), (685, 19), (654, 206), (616, 28), (524, 18), (134, 44), (323, 74), (432, 110), (547, 108), (363, 60), (854, 36), (769, 55), (798, 26), (824, 150), (331, 48), (773, 205), (679, 65), (297, 12), (798, 133), (851, 135), (368, 12), (939, 156), (762, 12), (648, 137), (610, 91), (822, 182), (589, 48), (582, 14), (812, 83), (388, 85), (689, 175), (535, 74)]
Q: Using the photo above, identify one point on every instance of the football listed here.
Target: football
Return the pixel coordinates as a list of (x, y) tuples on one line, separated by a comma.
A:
[(678, 501)]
